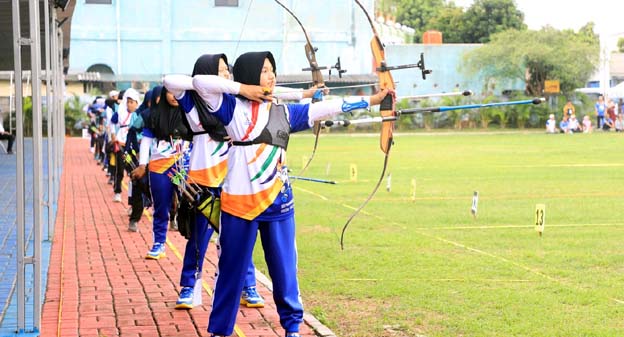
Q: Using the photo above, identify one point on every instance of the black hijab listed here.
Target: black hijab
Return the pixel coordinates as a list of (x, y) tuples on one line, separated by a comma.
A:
[(208, 64), (165, 120), (248, 67)]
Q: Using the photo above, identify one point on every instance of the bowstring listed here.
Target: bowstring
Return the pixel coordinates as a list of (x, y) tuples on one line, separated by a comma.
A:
[(240, 36)]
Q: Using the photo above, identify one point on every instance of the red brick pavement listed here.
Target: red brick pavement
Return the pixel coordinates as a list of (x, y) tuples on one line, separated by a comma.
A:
[(100, 284)]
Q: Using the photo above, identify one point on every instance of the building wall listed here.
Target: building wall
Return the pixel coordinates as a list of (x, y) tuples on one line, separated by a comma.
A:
[(445, 61), (164, 36), (159, 37)]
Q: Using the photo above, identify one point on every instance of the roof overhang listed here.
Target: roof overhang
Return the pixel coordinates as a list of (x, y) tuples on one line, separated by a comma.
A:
[(6, 31)]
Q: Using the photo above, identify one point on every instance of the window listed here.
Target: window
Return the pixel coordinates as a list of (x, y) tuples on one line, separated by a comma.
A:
[(99, 2), (226, 3)]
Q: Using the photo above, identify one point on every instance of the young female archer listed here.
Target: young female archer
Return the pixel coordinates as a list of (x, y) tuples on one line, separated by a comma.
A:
[(256, 192), (207, 168)]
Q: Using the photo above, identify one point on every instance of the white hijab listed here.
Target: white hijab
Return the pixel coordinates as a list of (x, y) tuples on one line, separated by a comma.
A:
[(124, 116)]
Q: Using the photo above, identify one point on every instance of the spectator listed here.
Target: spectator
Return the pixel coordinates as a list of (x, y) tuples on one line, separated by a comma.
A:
[(573, 125), (611, 108), (608, 124), (599, 108), (619, 123), (551, 124), (563, 125), (568, 109), (587, 125)]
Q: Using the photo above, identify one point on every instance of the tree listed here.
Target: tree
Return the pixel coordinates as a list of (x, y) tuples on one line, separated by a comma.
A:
[(587, 34), (620, 44), (487, 17), (449, 21), (418, 14), (536, 56)]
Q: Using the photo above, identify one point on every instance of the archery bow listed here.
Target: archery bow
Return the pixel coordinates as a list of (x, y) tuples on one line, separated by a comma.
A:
[(386, 108), (317, 79)]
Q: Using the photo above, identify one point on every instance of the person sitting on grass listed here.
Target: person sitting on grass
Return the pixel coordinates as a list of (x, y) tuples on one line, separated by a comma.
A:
[(563, 125), (587, 125), (551, 124), (608, 123), (619, 123), (573, 125)]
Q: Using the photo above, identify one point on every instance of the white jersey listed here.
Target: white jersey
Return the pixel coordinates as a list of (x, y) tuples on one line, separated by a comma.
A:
[(208, 158)]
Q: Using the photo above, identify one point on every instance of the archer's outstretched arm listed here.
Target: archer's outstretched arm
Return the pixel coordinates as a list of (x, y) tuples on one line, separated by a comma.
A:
[(329, 108), (211, 87)]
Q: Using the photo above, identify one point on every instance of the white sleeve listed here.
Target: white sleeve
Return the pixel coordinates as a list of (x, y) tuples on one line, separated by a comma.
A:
[(286, 93), (329, 108), (112, 129), (144, 150), (178, 84), (211, 88)]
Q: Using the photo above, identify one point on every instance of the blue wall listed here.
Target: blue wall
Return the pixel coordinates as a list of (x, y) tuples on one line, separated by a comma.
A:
[(165, 36)]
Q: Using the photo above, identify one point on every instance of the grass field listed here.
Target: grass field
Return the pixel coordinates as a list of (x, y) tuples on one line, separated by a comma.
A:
[(424, 266)]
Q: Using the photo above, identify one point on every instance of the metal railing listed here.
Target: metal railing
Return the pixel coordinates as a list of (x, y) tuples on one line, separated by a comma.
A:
[(55, 142)]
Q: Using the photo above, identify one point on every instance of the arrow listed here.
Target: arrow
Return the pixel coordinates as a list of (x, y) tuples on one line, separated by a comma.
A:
[(457, 93), (313, 180)]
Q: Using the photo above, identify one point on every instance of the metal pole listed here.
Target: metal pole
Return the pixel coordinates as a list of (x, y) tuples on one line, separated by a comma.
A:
[(49, 110), (35, 69), (19, 143), (61, 101), (58, 132), (58, 99), (118, 22), (11, 99)]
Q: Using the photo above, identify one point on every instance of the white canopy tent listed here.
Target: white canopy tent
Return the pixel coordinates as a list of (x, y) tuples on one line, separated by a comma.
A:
[(616, 92)]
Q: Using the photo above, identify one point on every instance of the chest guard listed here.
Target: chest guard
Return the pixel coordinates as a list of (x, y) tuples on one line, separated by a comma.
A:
[(276, 132)]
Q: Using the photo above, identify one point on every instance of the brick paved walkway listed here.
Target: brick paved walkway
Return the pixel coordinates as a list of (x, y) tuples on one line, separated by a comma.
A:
[(100, 284)]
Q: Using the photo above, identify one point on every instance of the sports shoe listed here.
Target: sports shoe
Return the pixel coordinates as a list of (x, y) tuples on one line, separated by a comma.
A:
[(132, 226), (117, 197), (158, 251), (251, 299), (185, 301), (293, 334)]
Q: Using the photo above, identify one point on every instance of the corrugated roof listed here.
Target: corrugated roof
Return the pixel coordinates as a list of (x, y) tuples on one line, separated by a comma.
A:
[(6, 32)]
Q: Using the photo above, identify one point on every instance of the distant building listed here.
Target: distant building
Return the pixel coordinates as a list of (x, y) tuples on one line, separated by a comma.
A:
[(141, 40), (137, 42)]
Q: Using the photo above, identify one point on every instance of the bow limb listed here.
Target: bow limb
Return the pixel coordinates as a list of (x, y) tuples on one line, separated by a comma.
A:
[(386, 110), (317, 80)]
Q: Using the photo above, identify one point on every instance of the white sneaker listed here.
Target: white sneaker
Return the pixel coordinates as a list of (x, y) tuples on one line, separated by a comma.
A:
[(117, 197)]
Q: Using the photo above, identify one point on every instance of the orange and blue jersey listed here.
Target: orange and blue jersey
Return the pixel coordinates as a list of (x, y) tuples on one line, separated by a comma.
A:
[(256, 186), (208, 158), (163, 153)]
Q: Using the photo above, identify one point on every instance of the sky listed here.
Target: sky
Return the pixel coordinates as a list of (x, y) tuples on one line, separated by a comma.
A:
[(608, 15)]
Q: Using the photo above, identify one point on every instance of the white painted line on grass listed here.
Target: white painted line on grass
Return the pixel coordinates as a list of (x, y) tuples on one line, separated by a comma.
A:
[(310, 192)]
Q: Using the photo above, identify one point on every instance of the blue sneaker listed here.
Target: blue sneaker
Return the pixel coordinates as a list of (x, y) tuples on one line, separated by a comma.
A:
[(157, 251), (251, 299), (185, 301)]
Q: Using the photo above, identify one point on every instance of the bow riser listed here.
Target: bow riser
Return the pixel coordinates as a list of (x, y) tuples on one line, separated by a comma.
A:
[(386, 108)]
